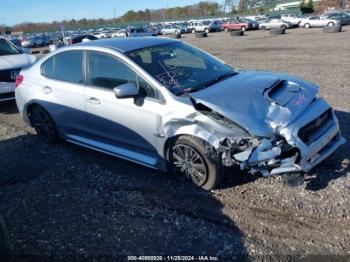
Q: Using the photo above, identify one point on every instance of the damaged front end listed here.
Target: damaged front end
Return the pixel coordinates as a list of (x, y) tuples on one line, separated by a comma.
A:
[(264, 156), (287, 128)]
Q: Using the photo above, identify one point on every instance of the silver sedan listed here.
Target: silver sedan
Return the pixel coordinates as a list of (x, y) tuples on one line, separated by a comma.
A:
[(170, 106)]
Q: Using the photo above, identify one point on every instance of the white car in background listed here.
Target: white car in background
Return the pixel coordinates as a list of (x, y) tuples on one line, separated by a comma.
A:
[(291, 18), (317, 21), (172, 29), (120, 33), (273, 23), (199, 27), (100, 35), (12, 60)]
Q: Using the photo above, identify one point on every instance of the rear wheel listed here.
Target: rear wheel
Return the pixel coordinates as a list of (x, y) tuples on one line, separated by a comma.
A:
[(192, 159), (43, 125)]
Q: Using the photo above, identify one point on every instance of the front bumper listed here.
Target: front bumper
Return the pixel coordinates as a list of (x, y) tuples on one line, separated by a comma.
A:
[(326, 139), (298, 152), (7, 90)]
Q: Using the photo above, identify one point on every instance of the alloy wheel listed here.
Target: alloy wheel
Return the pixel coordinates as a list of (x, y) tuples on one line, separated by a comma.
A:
[(190, 163)]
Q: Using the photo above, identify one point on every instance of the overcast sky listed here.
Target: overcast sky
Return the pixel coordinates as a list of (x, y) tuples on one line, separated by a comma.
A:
[(18, 11)]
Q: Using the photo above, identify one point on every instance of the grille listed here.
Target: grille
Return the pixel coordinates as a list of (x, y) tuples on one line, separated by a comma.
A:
[(7, 95), (306, 132), (5, 75)]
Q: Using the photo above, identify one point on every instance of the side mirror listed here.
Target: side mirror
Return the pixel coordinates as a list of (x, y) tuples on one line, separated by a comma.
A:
[(128, 90)]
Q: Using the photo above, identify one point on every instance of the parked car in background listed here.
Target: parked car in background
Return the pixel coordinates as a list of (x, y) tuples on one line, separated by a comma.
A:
[(293, 19), (237, 24), (273, 23), (253, 24), (12, 60), (139, 32), (82, 38), (199, 26), (172, 29), (214, 26), (343, 17), (317, 21), (120, 33), (46, 40), (100, 35), (32, 41)]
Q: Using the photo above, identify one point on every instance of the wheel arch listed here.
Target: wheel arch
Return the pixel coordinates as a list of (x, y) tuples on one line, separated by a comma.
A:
[(173, 138)]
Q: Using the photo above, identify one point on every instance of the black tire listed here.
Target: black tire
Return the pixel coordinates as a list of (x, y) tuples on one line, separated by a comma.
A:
[(332, 29), (208, 173), (237, 33), (277, 31), (201, 35), (44, 125), (4, 242), (283, 26)]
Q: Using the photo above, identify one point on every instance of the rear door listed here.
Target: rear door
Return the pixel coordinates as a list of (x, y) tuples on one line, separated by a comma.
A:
[(62, 91)]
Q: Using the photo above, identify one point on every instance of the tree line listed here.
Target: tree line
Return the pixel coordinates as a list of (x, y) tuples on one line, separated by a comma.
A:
[(204, 8)]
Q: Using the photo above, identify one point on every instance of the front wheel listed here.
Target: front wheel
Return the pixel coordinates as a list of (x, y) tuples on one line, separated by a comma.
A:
[(192, 159), (43, 125)]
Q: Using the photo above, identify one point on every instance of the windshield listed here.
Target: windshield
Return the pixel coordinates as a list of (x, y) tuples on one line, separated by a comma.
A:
[(180, 67), (6, 48)]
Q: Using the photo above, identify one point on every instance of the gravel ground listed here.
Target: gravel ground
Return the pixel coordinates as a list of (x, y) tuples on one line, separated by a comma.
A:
[(68, 203)]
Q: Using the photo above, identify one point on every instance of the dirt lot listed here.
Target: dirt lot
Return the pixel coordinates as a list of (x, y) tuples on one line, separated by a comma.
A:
[(66, 203)]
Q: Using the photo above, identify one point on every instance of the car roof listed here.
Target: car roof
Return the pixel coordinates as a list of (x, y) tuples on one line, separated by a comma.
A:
[(127, 44)]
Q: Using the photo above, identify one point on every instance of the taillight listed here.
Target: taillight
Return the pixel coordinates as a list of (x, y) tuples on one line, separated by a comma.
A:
[(19, 80)]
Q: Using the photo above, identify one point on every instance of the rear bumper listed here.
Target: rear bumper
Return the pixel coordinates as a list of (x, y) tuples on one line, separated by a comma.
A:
[(7, 90)]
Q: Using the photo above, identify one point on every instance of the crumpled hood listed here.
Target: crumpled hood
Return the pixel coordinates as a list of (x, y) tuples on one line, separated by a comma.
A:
[(261, 102), (16, 61)]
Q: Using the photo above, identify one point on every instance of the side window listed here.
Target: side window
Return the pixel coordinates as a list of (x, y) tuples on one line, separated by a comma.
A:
[(68, 66), (47, 68), (109, 72)]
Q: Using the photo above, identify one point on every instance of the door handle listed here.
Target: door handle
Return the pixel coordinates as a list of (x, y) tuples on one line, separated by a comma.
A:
[(46, 90), (93, 100)]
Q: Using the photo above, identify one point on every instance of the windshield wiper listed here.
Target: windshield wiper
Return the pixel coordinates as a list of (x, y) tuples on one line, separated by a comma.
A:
[(211, 82), (219, 78)]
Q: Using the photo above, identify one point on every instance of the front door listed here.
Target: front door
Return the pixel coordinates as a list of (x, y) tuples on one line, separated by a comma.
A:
[(125, 126)]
